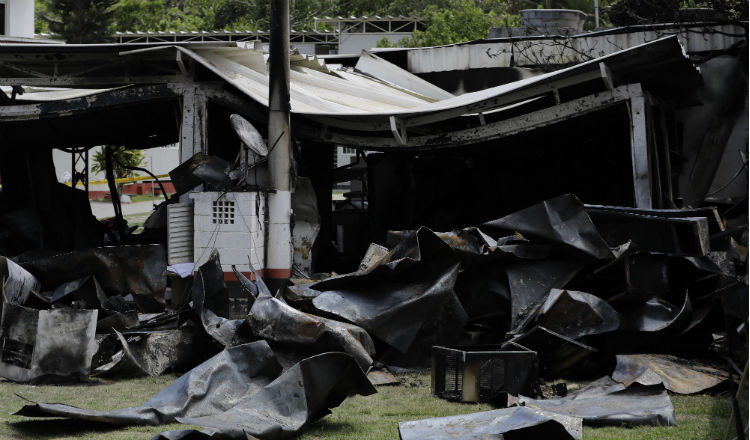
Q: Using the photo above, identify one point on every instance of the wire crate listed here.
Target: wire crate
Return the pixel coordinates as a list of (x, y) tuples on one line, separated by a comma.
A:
[(482, 373)]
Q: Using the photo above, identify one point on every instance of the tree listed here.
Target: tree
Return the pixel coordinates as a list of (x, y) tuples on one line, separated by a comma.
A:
[(465, 21), (121, 156), (141, 15), (81, 21)]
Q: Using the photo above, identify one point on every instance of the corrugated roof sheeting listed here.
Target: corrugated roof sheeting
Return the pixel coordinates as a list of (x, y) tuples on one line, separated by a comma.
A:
[(341, 97), (42, 94), (352, 101)]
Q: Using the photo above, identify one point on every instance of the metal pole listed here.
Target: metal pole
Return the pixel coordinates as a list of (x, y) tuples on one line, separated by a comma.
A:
[(596, 14), (279, 245)]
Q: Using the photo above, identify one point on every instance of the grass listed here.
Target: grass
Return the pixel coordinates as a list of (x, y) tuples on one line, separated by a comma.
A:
[(158, 198), (367, 418)]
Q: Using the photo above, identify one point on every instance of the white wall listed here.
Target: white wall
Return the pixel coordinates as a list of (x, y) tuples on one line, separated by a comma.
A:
[(19, 18), (354, 43)]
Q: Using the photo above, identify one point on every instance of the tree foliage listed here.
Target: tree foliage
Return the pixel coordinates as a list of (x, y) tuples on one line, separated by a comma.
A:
[(447, 21), (81, 21), (122, 156)]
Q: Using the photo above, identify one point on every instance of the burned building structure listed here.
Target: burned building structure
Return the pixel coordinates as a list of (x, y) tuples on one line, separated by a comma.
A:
[(578, 201), (648, 117)]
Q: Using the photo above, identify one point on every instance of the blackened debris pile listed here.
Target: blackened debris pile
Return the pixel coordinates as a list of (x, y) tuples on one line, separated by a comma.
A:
[(637, 296)]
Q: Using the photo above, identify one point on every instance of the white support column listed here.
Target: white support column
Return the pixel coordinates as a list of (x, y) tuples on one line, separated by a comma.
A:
[(278, 268), (19, 18), (639, 152)]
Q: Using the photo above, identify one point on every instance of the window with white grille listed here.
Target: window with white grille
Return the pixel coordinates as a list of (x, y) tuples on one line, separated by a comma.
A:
[(223, 212)]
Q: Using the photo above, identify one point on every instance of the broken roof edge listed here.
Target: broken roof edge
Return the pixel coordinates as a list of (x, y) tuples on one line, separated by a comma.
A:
[(106, 47), (475, 99)]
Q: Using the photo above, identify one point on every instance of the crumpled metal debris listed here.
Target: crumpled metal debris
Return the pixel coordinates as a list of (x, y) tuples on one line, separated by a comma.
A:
[(557, 353), (209, 292), (530, 283), (516, 423), (657, 317), (149, 353), (85, 289), (407, 292), (274, 321), (42, 344), (666, 231), (576, 314), (238, 393), (140, 270), (17, 284), (606, 402), (199, 169), (213, 386), (561, 220), (678, 375)]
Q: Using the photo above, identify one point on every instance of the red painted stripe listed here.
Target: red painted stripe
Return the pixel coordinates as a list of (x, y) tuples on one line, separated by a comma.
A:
[(278, 273), (230, 276)]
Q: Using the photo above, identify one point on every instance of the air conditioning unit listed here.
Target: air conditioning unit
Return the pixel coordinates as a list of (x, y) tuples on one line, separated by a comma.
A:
[(232, 223)]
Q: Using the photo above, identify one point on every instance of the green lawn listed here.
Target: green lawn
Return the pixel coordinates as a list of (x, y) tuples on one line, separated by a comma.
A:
[(158, 198), (371, 417)]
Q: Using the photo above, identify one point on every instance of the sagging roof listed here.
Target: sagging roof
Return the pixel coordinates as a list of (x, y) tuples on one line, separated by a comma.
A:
[(375, 98), (340, 97)]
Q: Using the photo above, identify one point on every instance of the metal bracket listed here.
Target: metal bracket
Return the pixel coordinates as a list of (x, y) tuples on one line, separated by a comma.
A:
[(399, 130), (607, 76), (80, 156), (181, 63)]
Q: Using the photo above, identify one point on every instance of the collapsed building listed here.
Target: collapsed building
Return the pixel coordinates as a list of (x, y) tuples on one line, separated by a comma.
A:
[(582, 197)]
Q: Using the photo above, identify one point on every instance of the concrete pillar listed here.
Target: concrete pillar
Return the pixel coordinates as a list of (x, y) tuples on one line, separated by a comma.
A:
[(279, 251), (19, 18)]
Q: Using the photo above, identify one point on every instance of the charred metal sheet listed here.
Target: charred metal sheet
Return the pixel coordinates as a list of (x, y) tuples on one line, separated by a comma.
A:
[(275, 321), (201, 168), (17, 283), (530, 283), (209, 290), (379, 376), (86, 289), (117, 321), (299, 396), (605, 402), (137, 269), (469, 241), (576, 314), (716, 228), (239, 394), (149, 354), (212, 387), (517, 423), (561, 220), (658, 233), (678, 375), (407, 294), (483, 290), (372, 257), (657, 317), (557, 353), (40, 344)]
